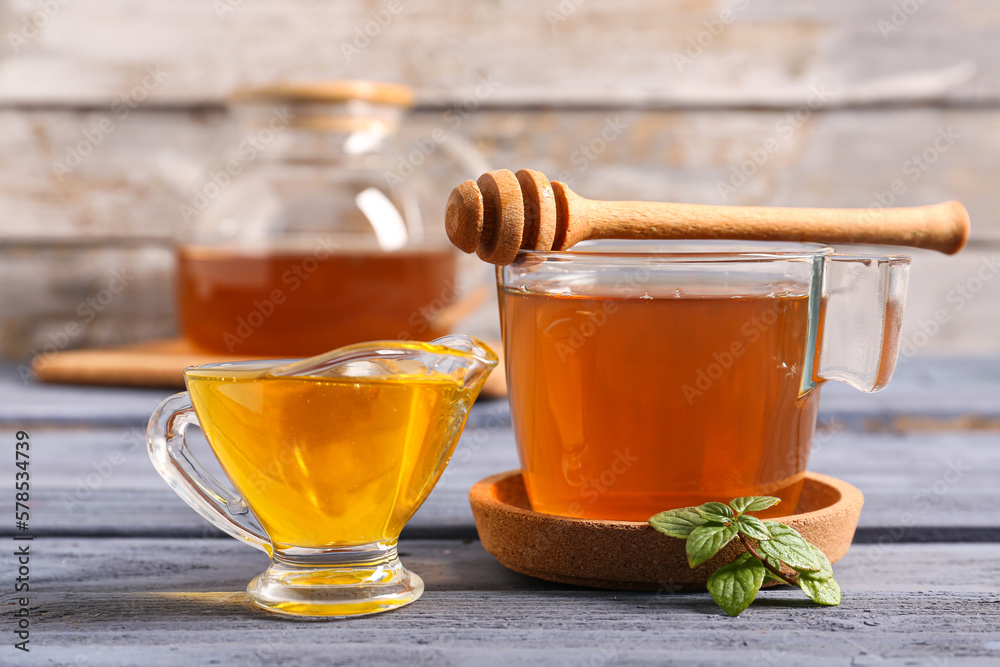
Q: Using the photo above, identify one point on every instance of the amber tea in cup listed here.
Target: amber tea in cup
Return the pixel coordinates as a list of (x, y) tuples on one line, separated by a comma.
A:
[(329, 457), (646, 376)]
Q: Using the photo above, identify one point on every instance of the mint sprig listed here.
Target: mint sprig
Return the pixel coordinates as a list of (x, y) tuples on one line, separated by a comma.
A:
[(769, 545)]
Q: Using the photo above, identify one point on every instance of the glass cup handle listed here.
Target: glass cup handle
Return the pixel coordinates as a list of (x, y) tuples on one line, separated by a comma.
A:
[(861, 319), (177, 465)]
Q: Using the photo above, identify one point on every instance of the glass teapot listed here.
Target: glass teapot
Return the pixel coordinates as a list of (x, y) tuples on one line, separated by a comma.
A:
[(310, 242)]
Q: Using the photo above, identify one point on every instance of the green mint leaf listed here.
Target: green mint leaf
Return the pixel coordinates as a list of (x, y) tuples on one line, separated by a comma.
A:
[(822, 590), (753, 503), (773, 577), (705, 541), (753, 527), (789, 547), (734, 586), (717, 512), (825, 569), (776, 564), (678, 523)]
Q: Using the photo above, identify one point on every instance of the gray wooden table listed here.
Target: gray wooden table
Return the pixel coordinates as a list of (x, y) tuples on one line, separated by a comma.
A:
[(123, 573)]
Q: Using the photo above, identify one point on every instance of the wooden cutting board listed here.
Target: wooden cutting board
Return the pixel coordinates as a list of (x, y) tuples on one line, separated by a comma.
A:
[(160, 363)]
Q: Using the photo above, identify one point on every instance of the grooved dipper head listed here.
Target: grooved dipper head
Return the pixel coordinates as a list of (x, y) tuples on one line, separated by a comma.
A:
[(503, 217), (502, 213), (463, 216)]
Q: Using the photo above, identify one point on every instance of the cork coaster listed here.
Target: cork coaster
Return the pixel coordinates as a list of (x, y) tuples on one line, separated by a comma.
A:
[(629, 555)]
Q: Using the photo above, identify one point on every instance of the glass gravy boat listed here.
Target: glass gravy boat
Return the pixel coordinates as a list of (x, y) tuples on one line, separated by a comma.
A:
[(329, 456)]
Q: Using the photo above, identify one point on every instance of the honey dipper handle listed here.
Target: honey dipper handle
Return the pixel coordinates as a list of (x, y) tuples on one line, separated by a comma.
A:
[(942, 227)]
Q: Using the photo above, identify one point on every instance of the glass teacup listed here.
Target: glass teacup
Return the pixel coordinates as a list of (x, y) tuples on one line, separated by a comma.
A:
[(650, 375), (329, 456)]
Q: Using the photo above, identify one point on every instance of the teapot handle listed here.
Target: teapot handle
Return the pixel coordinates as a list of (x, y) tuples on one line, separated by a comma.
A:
[(178, 466), (860, 317)]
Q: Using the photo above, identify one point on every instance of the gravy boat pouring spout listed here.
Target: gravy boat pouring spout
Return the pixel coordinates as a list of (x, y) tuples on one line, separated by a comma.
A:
[(460, 357)]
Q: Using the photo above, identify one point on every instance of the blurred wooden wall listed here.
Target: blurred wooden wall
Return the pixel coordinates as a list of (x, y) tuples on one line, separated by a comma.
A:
[(809, 103)]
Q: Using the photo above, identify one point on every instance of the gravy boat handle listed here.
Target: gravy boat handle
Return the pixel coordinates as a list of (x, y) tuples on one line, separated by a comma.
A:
[(181, 470)]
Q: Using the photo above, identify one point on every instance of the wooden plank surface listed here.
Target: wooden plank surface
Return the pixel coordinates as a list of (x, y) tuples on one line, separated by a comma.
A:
[(60, 298), (24, 402), (44, 310), (168, 589), (948, 388), (956, 391), (101, 482), (891, 80), (136, 180), (90, 565), (522, 628), (573, 53), (119, 602)]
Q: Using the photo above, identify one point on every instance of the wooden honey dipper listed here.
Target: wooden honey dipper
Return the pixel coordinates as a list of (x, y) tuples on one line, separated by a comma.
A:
[(504, 212)]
